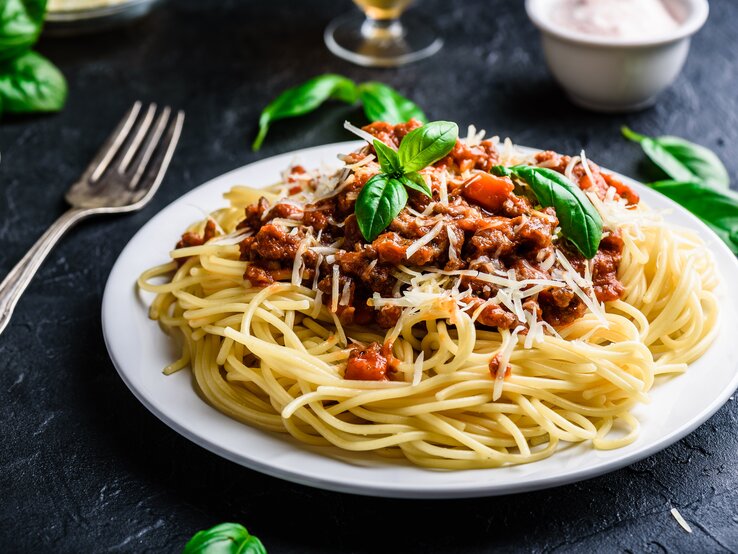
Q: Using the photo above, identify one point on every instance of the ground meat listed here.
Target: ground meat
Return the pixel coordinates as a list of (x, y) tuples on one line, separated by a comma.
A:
[(258, 276), (351, 234), (491, 315), (284, 210), (600, 181), (494, 231), (535, 231), (391, 134), (496, 240), (605, 268), (388, 316), (272, 242), (191, 239), (315, 219), (254, 215), (494, 367), (557, 314)]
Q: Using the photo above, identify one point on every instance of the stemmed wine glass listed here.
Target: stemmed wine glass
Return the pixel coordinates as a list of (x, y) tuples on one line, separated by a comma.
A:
[(383, 36)]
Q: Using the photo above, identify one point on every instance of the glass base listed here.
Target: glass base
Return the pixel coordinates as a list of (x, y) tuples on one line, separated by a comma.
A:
[(382, 43)]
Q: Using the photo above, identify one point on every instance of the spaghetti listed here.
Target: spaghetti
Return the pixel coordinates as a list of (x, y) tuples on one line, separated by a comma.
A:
[(478, 365)]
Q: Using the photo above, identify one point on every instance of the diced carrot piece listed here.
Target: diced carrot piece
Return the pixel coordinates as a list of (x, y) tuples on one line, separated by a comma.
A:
[(622, 189), (488, 191)]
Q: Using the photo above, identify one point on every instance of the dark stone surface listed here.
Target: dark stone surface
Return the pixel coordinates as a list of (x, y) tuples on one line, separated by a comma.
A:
[(85, 468)]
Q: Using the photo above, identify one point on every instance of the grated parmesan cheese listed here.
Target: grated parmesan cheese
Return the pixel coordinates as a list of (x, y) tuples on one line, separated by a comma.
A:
[(422, 241), (587, 170), (334, 288), (345, 293), (451, 244), (569, 171), (418, 369), (443, 189), (298, 264), (359, 132), (504, 356), (363, 161)]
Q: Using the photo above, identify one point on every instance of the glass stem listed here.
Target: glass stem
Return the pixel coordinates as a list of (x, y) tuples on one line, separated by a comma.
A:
[(382, 29)]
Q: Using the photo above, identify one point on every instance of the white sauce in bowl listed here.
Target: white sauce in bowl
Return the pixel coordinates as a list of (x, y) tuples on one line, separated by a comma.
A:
[(73, 5), (621, 19)]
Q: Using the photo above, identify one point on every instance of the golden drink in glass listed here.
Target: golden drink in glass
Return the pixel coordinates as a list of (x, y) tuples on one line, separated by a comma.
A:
[(383, 35)]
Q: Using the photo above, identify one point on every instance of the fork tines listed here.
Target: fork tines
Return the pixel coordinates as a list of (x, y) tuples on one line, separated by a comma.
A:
[(131, 150)]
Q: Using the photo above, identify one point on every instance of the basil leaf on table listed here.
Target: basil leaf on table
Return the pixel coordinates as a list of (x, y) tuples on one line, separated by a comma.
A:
[(415, 180), (20, 26), (226, 538), (682, 160), (579, 220), (387, 158), (383, 103), (718, 209), (305, 98), (427, 144), (378, 203), (31, 83)]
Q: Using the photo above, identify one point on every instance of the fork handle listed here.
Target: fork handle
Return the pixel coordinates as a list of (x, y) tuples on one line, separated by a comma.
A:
[(20, 276)]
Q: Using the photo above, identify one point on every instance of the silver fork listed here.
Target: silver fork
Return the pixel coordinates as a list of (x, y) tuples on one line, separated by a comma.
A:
[(122, 177)]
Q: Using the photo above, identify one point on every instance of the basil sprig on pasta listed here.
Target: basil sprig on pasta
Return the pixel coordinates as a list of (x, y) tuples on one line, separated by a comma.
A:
[(579, 220), (384, 196), (381, 102), (225, 538)]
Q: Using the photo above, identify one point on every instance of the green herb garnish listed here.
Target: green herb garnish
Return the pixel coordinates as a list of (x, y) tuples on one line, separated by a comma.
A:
[(718, 209), (682, 160), (579, 220), (381, 102), (699, 182), (226, 538), (28, 81), (385, 195)]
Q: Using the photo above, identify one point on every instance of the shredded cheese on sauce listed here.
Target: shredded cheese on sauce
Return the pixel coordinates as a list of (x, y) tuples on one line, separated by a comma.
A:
[(504, 358), (334, 287), (422, 241)]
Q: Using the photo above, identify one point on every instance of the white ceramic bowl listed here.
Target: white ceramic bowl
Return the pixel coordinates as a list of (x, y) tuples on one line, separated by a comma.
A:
[(611, 74)]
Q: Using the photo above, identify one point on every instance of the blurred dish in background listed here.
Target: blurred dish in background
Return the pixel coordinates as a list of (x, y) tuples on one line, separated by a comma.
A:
[(383, 36), (616, 56), (73, 17), (626, 19)]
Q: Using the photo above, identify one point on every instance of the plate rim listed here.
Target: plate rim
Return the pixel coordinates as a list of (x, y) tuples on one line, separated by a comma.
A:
[(395, 489)]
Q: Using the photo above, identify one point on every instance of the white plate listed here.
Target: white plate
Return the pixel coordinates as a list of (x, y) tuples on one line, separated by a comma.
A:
[(140, 350)]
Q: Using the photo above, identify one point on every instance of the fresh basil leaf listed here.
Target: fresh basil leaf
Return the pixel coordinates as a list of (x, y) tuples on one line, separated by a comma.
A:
[(31, 83), (383, 103), (427, 144), (378, 203), (305, 98), (387, 157), (501, 171), (682, 160), (226, 538), (579, 220), (416, 181), (20, 26), (716, 208)]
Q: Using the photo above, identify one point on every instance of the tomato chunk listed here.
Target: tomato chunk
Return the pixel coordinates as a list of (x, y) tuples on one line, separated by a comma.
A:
[(369, 364), (622, 189), (488, 191)]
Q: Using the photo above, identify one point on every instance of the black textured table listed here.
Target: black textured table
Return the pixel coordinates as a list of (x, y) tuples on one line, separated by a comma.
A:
[(85, 468)]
